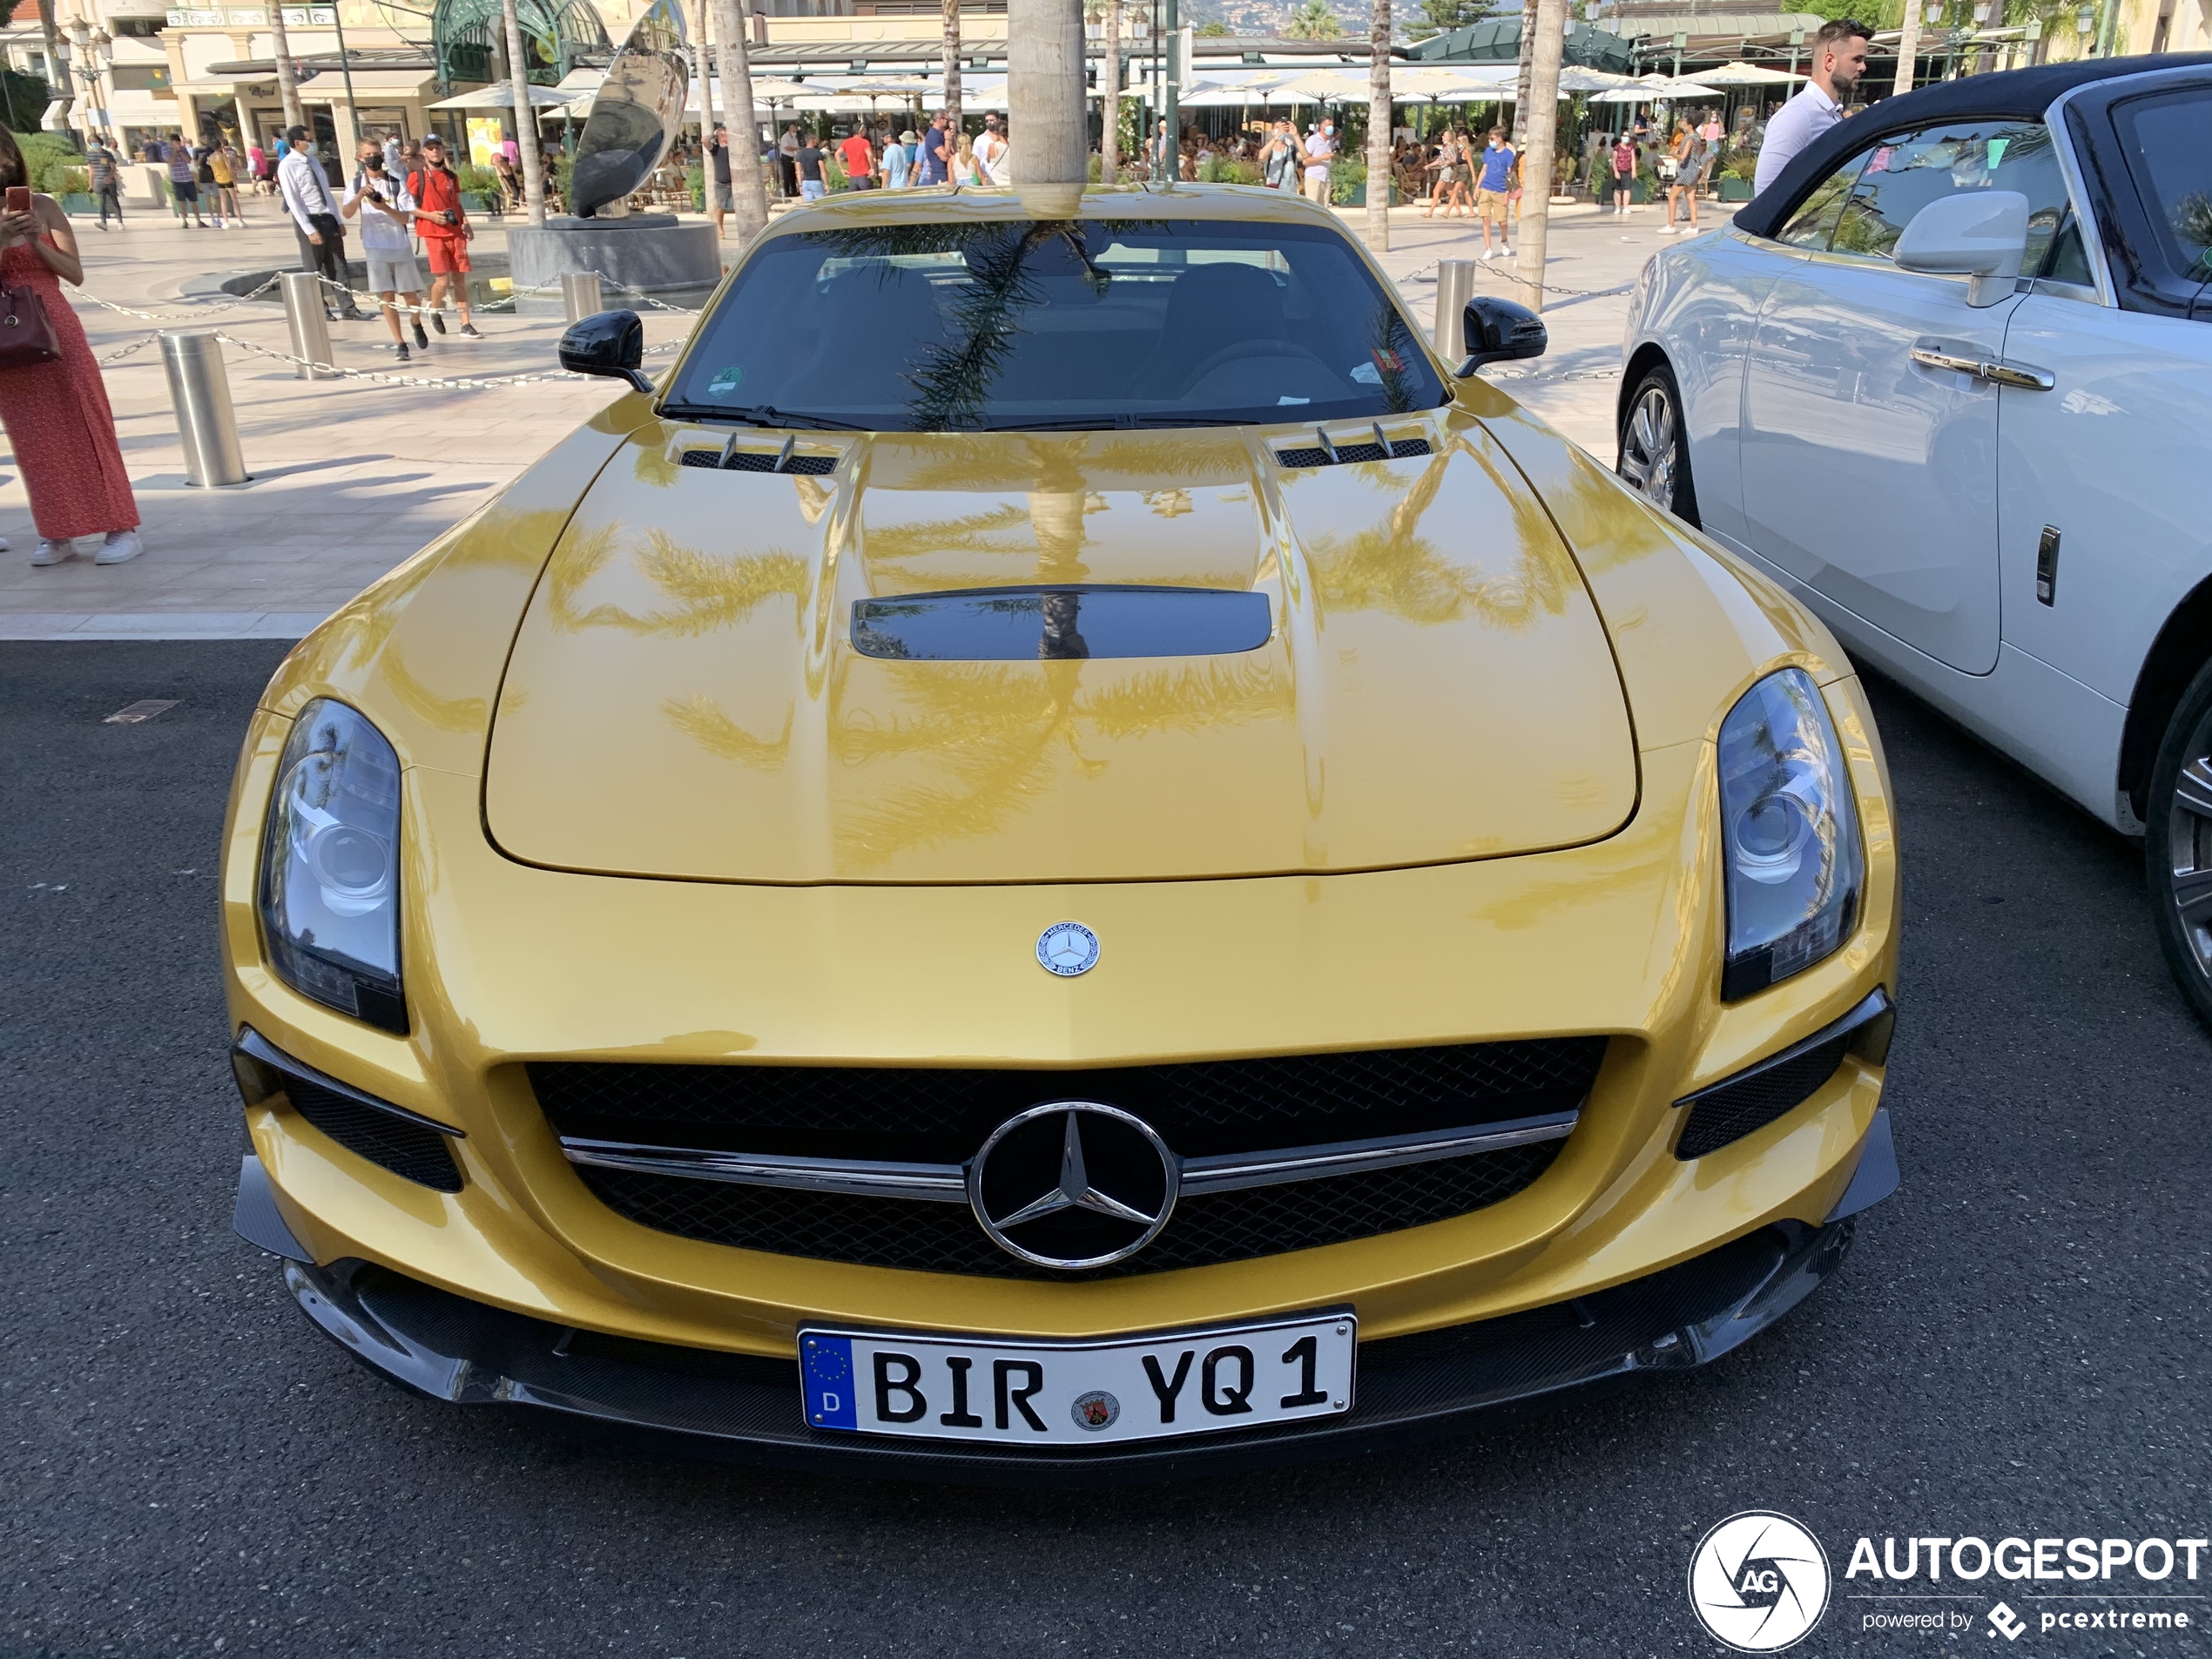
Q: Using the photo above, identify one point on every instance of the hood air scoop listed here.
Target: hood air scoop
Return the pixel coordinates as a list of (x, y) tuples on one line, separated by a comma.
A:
[(1054, 624)]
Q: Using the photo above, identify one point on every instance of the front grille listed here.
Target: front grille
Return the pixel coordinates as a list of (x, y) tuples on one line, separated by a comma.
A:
[(1205, 1230), (1347, 454), (758, 461), (405, 1149), (941, 1116), (1728, 1111)]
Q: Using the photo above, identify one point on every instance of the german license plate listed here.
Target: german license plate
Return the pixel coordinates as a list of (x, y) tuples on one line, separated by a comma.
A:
[(1080, 1392)]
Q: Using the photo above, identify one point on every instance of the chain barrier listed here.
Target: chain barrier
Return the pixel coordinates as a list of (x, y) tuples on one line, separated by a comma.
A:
[(138, 345), (179, 316)]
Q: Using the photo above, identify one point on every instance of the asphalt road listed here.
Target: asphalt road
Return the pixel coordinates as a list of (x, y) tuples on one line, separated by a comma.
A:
[(2018, 1345)]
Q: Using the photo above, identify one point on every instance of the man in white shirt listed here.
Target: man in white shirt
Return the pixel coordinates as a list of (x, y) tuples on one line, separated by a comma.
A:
[(379, 200), (1839, 59), (1320, 151), (306, 189)]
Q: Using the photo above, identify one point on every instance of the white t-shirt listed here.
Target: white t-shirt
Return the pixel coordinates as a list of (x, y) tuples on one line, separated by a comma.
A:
[(1795, 125), (1320, 150), (381, 233)]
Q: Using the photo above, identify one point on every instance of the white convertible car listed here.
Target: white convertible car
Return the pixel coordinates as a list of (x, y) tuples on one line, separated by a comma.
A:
[(1950, 380)]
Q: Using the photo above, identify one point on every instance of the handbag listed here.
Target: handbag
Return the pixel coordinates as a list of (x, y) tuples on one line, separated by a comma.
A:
[(1668, 168), (26, 333)]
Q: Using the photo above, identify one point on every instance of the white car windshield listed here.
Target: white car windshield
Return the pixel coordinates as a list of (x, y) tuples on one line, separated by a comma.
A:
[(1064, 325)]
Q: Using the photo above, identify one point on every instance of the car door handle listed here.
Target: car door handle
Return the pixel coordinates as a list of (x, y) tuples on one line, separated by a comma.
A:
[(2000, 372)]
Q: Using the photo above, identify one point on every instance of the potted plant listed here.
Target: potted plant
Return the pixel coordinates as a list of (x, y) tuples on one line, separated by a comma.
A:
[(74, 186), (480, 192), (1737, 173)]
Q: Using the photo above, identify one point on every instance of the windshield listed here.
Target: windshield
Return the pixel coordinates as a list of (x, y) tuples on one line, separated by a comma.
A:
[(1067, 324)]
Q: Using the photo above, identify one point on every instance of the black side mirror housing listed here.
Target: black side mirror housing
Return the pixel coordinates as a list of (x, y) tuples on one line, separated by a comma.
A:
[(1498, 331), (607, 342)]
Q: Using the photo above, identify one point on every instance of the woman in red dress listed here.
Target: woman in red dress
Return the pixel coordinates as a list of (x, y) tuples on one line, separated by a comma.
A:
[(57, 414)]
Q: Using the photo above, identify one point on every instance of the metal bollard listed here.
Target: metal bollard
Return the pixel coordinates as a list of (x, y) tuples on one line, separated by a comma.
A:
[(200, 393), (305, 308), (580, 294), (1454, 287)]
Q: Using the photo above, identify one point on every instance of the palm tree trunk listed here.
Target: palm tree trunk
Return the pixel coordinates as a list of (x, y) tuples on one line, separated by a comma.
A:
[(702, 66), (525, 117), (1044, 87), (287, 83), (1379, 128), (952, 78), (749, 193), (1536, 155), (1110, 134), (1519, 129), (1908, 46)]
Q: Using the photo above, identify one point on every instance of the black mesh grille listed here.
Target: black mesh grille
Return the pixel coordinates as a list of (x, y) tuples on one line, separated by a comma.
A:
[(405, 1149), (1732, 1111), (758, 461), (942, 1116), (944, 1238), (1348, 453)]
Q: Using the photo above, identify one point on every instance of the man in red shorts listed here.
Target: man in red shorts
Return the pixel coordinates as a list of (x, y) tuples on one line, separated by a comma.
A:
[(443, 225)]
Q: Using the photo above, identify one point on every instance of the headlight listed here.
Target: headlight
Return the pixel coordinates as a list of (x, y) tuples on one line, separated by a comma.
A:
[(330, 866), (1789, 832)]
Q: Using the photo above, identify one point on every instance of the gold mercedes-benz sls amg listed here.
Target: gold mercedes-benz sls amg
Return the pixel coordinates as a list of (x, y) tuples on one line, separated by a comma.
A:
[(1063, 857)]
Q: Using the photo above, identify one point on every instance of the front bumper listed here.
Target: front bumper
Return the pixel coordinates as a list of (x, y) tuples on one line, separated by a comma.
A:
[(746, 1407)]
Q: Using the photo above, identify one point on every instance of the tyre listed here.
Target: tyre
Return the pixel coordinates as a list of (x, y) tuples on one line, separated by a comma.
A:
[(2177, 843), (1654, 458)]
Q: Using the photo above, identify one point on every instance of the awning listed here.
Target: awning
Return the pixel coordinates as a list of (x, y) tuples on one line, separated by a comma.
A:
[(502, 98)]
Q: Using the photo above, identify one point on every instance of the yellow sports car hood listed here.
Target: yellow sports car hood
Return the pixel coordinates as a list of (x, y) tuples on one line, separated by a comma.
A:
[(1022, 657)]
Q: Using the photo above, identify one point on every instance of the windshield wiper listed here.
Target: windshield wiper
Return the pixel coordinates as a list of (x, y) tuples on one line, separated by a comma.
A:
[(764, 414)]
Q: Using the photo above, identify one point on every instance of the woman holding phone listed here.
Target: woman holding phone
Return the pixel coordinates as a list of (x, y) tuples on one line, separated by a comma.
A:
[(57, 413)]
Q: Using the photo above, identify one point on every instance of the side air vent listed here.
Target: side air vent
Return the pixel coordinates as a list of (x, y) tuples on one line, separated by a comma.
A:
[(401, 1141), (1777, 1086), (1328, 453), (758, 461)]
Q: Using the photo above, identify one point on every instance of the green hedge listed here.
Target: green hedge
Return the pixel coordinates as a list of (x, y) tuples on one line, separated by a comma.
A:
[(49, 156)]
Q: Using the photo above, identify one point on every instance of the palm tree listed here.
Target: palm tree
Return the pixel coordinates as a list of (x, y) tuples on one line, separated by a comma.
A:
[(1044, 87), (287, 83), (518, 74), (1314, 20), (1110, 129), (1378, 128), (749, 191), (952, 77)]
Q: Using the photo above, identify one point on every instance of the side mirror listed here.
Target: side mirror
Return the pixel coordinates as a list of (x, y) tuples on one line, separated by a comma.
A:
[(1978, 233), (1499, 331), (607, 342)]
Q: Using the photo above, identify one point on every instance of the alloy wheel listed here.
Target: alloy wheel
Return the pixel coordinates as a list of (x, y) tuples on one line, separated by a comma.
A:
[(1651, 447), (2190, 844)]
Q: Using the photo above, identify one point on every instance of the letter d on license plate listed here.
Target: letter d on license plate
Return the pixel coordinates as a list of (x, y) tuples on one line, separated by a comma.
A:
[(1078, 1393)]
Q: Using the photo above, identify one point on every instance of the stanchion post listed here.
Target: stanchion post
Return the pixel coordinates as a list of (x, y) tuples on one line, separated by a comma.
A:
[(580, 295), (1454, 287), (305, 308), (200, 393)]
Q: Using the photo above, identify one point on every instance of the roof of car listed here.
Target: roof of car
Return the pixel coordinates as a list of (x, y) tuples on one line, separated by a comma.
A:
[(2025, 92)]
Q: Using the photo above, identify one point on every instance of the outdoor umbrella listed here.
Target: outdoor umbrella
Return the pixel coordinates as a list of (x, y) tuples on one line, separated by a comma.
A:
[(1740, 74)]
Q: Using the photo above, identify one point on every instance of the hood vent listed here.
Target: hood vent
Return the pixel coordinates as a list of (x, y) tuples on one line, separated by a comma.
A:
[(730, 458), (1374, 445)]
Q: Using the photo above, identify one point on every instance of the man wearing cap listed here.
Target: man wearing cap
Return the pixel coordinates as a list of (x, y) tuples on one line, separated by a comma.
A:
[(443, 225)]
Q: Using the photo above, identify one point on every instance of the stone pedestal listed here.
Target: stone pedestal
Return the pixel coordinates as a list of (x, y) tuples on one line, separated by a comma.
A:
[(649, 251)]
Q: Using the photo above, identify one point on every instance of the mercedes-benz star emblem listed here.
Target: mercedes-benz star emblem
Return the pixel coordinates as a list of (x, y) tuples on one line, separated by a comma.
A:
[(1068, 948), (1073, 1183)]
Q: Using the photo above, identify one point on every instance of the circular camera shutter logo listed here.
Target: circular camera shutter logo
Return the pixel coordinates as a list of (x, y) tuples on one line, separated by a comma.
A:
[(1066, 948), (1758, 1582)]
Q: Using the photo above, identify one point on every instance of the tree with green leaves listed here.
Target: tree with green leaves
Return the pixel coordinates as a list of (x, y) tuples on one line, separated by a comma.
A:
[(1314, 20), (1441, 17)]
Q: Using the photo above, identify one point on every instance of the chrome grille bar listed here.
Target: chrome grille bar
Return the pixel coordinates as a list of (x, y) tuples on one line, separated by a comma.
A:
[(947, 1183)]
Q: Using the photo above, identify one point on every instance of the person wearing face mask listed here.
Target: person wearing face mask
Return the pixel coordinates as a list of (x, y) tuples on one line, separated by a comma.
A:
[(1320, 151), (55, 412)]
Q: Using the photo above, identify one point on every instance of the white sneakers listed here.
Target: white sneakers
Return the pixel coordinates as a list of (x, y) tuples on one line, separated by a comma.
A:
[(1497, 253), (118, 547)]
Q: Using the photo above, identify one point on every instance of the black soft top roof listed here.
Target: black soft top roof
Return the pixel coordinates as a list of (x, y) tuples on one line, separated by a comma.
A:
[(2023, 92)]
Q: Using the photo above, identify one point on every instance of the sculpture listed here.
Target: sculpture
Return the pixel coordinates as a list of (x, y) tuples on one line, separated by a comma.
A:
[(635, 117)]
